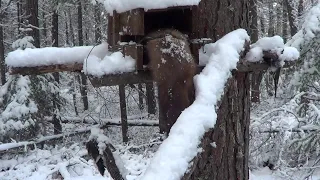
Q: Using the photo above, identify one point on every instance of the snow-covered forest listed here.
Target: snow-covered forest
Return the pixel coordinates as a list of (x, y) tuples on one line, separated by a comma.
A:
[(63, 86)]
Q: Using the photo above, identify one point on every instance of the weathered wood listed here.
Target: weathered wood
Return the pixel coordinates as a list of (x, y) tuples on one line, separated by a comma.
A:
[(76, 67), (132, 22), (113, 29), (170, 8), (124, 78), (141, 95), (105, 160), (123, 112), (151, 99), (136, 52), (196, 45)]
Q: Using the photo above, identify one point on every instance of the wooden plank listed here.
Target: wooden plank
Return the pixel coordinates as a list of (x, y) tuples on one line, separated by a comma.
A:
[(123, 110), (170, 8), (132, 22), (124, 78), (141, 76), (195, 46), (136, 52), (76, 67), (151, 99), (113, 29)]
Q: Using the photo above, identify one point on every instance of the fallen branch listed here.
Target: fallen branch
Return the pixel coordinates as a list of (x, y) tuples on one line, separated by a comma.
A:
[(25, 144), (132, 121), (296, 130)]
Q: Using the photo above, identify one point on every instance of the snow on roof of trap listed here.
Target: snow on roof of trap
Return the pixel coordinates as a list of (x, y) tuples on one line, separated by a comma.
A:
[(54, 55), (172, 159), (126, 5)]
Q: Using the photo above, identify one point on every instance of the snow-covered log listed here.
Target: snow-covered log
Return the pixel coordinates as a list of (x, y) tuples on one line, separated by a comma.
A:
[(244, 65)]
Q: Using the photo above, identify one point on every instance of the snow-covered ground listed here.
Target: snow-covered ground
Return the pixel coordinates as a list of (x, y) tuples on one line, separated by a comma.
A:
[(71, 163)]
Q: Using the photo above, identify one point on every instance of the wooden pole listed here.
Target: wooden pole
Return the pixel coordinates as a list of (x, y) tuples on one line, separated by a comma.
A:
[(151, 100), (123, 110)]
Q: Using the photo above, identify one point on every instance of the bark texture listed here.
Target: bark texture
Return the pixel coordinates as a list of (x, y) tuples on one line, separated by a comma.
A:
[(214, 19), (225, 148), (2, 64), (32, 14)]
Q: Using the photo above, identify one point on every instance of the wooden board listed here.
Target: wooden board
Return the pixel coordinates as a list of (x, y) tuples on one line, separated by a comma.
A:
[(136, 52), (132, 22), (113, 29)]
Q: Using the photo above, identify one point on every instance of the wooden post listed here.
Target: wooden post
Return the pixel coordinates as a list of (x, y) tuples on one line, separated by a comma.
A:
[(162, 115), (151, 99), (141, 94), (123, 110)]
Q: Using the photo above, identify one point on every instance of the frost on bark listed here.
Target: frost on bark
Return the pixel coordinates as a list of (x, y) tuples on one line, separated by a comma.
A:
[(225, 148)]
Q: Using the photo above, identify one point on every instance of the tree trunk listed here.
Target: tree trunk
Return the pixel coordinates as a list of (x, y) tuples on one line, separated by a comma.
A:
[(300, 8), (44, 26), (229, 158), (32, 14), (271, 30), (83, 88), (256, 77), (55, 40), (141, 95), (97, 28), (2, 64), (123, 110), (18, 16), (71, 28), (66, 30), (292, 17), (279, 19), (151, 99), (226, 148), (284, 22)]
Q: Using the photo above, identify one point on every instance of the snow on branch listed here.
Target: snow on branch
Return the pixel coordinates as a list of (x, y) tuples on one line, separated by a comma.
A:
[(172, 159), (126, 5), (310, 29)]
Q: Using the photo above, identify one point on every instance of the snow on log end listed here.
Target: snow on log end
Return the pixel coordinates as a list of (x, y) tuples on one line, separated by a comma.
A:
[(54, 56), (126, 5), (275, 45), (172, 159)]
